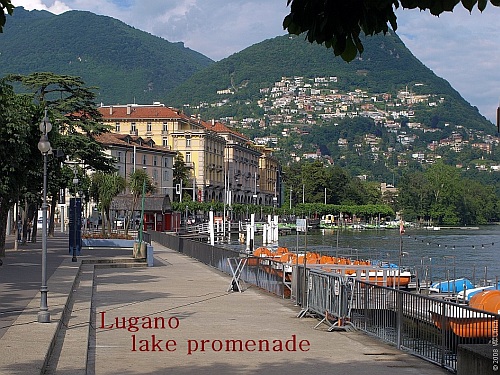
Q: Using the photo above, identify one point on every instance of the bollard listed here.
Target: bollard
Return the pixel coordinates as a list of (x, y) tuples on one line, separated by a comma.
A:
[(150, 259)]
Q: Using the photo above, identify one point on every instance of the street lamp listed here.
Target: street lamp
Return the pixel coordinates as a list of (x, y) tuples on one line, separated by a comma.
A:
[(45, 148)]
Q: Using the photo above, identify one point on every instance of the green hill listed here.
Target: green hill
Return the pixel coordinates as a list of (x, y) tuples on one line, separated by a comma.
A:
[(126, 64), (385, 66)]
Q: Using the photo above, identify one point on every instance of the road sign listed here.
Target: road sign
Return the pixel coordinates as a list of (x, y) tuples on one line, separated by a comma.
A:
[(301, 225)]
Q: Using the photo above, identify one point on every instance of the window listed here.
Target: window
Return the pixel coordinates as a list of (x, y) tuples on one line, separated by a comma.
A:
[(188, 157), (165, 127), (119, 156), (117, 127), (155, 160), (165, 175), (149, 127), (132, 160), (133, 127), (165, 142), (165, 163), (144, 160), (155, 174), (188, 141)]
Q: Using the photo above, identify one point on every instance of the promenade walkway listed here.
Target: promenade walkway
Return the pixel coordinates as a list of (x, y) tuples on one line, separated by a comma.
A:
[(207, 329)]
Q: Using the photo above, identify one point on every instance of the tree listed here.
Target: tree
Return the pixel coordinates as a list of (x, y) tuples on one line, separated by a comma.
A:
[(415, 196), (5, 6), (104, 187), (338, 24), (139, 183), (75, 120), (19, 154), (444, 185), (181, 173)]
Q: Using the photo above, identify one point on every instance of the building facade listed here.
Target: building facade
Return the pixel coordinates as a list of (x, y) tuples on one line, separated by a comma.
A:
[(219, 158), (133, 152)]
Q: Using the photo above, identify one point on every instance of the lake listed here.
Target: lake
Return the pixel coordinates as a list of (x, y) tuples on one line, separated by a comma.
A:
[(435, 254)]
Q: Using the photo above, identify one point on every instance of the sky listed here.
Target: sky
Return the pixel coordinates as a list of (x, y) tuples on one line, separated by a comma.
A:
[(461, 47)]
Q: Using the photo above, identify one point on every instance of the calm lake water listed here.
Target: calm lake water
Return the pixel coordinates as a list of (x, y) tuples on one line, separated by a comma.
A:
[(438, 254)]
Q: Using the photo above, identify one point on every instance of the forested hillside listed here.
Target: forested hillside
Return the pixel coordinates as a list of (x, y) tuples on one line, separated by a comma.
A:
[(125, 64), (386, 67)]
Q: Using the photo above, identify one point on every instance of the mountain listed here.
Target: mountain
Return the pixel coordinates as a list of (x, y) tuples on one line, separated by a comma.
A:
[(376, 116), (126, 64), (386, 66)]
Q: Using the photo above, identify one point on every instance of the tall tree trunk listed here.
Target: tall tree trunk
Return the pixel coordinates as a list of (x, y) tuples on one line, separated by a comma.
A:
[(4, 213), (53, 204), (103, 222)]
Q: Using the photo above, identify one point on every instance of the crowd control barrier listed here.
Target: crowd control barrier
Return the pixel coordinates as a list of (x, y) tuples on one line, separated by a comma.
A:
[(329, 296)]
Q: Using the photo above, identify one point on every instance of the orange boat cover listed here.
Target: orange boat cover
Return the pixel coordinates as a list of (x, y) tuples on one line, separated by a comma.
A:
[(489, 300)]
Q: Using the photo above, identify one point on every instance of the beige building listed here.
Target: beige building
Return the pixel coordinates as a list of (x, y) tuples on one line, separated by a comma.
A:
[(241, 166), (169, 128), (219, 158), (270, 182)]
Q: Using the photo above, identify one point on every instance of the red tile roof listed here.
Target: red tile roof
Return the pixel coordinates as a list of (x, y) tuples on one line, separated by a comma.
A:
[(114, 139), (141, 112), (221, 128)]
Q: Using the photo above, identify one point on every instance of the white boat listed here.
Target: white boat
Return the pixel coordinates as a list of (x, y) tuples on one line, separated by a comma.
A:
[(466, 295)]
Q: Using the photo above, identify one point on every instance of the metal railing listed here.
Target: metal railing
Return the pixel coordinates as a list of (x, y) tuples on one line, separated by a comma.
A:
[(328, 295), (427, 327)]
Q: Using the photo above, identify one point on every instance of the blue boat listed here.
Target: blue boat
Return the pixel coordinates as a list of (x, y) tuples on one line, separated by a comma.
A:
[(452, 286)]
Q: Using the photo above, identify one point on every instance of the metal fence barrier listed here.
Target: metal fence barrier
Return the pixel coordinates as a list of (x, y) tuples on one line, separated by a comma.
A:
[(329, 296), (428, 327)]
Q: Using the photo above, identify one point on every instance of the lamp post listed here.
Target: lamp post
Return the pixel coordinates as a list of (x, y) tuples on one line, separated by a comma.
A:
[(45, 148)]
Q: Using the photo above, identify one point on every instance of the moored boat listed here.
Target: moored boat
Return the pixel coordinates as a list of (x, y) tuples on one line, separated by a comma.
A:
[(451, 286), (281, 262), (471, 323), (466, 295)]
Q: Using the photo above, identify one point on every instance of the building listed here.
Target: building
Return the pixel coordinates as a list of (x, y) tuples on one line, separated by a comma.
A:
[(133, 152), (201, 148), (241, 166), (220, 159)]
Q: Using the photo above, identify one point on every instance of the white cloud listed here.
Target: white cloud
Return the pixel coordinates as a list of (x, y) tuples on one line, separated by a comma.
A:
[(463, 49), (56, 7)]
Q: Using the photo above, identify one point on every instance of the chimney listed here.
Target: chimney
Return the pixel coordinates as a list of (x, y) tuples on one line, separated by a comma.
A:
[(129, 109), (110, 109)]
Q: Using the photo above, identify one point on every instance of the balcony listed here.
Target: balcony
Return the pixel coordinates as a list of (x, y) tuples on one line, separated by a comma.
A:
[(133, 132)]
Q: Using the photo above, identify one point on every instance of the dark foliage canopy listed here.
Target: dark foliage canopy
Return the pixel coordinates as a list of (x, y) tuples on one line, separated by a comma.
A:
[(338, 24)]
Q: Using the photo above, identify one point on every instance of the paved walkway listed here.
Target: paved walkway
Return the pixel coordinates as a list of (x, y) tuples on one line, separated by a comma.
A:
[(207, 329)]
